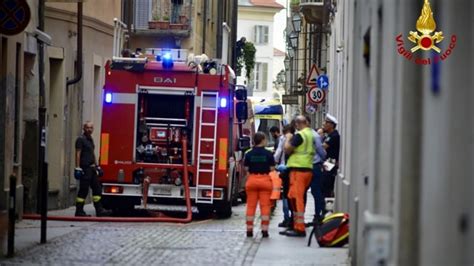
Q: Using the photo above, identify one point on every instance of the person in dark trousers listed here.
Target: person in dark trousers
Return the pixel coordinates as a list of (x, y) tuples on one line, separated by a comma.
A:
[(275, 132), (316, 183), (281, 159), (87, 171), (331, 145), (258, 162)]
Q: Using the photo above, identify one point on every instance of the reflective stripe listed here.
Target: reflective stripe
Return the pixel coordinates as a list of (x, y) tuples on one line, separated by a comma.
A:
[(80, 200), (96, 198), (276, 189), (299, 213), (265, 227), (250, 218), (300, 221), (265, 218), (249, 227)]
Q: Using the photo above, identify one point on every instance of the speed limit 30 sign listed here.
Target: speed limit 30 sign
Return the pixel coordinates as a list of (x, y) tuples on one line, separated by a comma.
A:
[(316, 95)]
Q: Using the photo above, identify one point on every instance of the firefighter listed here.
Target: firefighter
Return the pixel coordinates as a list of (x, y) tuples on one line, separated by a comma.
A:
[(258, 163), (300, 163), (88, 172)]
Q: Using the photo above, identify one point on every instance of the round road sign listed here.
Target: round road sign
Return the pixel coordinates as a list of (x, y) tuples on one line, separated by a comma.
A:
[(316, 95), (14, 16)]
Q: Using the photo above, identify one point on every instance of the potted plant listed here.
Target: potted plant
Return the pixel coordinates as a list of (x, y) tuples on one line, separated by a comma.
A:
[(153, 24), (183, 19), (158, 23)]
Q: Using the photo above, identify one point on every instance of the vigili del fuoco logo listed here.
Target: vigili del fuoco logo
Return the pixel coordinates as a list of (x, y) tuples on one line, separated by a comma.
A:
[(425, 38)]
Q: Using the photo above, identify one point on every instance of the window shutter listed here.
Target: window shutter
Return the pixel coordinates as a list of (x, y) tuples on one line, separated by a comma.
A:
[(255, 34), (265, 35), (264, 76), (142, 14)]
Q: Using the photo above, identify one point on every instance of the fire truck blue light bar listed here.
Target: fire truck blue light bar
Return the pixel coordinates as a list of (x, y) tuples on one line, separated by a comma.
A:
[(223, 103), (108, 97)]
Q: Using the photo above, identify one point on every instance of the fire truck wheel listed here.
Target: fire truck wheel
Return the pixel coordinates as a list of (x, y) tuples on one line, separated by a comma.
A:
[(224, 210), (205, 210)]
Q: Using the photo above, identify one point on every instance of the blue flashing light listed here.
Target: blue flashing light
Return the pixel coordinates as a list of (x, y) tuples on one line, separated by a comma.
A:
[(223, 102), (167, 56), (108, 97), (167, 60)]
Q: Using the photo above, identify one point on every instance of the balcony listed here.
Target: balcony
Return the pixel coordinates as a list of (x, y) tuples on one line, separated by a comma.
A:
[(163, 18), (313, 11)]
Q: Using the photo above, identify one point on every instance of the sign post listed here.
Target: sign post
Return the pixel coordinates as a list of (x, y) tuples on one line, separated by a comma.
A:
[(316, 95), (323, 82), (14, 16), (289, 99), (313, 76)]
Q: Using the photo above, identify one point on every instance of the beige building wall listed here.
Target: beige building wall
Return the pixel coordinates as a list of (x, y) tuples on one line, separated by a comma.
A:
[(70, 107), (67, 108)]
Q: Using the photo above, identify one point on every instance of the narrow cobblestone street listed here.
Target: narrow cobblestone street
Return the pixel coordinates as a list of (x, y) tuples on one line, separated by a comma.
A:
[(202, 242)]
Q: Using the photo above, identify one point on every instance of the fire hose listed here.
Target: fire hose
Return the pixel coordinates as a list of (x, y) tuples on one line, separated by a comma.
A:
[(187, 196)]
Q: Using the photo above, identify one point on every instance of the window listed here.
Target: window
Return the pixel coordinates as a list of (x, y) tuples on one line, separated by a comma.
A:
[(264, 125), (261, 34), (261, 76)]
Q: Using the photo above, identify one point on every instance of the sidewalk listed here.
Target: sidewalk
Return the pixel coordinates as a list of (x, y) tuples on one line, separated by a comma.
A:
[(283, 250)]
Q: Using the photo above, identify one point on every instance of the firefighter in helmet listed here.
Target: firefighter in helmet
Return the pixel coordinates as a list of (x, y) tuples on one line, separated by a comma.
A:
[(87, 171), (259, 162)]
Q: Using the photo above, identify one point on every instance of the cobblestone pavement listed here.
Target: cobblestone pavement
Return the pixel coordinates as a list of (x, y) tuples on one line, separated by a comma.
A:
[(219, 242), (202, 242)]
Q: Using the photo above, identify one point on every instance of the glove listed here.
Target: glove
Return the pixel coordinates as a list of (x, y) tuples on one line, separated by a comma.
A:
[(78, 173), (100, 172), (281, 168)]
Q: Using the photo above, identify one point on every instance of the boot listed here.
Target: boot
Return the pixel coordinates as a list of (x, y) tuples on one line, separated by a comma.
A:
[(100, 211), (80, 210)]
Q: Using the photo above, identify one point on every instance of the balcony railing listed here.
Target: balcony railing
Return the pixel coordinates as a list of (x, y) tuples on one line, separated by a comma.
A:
[(163, 17)]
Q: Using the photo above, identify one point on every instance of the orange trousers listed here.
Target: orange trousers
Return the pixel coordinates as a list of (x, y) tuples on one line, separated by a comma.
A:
[(299, 183), (258, 189), (276, 183)]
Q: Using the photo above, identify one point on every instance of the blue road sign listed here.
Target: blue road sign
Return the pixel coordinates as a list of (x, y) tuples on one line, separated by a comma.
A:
[(323, 82)]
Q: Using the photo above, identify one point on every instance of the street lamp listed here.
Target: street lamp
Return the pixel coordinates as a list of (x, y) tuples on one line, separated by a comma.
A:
[(293, 40), (287, 62), (296, 21), (291, 52)]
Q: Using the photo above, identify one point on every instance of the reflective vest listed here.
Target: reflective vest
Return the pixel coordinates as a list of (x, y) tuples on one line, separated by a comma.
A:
[(302, 156)]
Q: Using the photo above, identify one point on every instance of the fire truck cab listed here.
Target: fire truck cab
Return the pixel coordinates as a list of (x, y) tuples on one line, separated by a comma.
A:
[(151, 104)]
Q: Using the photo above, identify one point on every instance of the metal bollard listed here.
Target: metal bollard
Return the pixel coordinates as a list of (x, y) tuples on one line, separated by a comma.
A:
[(11, 216)]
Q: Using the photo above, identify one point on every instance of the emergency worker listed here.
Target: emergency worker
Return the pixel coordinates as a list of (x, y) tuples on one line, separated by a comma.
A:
[(258, 163), (300, 163), (332, 145), (88, 172)]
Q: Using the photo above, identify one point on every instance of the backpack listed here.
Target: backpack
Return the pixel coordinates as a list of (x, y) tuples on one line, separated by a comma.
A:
[(333, 231)]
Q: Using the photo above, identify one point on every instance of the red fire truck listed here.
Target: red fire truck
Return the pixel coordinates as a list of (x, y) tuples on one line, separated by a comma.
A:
[(151, 106)]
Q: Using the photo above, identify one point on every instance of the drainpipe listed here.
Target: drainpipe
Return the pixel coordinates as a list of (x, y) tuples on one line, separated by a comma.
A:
[(70, 82), (235, 6), (204, 28), (220, 20), (42, 166), (79, 48)]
